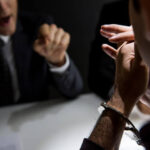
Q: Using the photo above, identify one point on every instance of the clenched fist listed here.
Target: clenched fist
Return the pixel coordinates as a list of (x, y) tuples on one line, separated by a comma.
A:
[(52, 43)]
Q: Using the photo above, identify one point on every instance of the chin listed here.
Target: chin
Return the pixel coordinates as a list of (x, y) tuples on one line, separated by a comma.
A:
[(8, 31)]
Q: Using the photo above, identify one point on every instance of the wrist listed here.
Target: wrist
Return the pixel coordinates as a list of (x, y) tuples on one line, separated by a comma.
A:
[(121, 104), (59, 63)]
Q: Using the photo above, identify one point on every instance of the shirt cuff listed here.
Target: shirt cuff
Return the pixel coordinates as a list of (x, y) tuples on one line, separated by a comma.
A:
[(62, 69)]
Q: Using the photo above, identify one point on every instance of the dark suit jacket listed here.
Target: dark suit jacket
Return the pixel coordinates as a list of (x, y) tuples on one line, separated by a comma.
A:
[(32, 70), (89, 145), (102, 67)]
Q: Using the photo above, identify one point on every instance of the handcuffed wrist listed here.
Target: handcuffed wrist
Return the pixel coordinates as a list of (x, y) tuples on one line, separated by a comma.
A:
[(129, 125)]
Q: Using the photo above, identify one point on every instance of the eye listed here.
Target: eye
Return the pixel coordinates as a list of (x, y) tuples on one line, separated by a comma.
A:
[(136, 5)]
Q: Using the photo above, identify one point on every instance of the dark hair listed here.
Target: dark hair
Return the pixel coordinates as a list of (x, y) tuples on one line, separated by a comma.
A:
[(136, 5)]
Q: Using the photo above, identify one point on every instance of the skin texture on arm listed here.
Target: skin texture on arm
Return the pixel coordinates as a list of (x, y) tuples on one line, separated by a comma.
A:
[(140, 20), (130, 69), (118, 34), (52, 43)]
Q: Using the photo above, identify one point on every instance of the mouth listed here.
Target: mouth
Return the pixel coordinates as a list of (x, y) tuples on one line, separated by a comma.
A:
[(4, 21)]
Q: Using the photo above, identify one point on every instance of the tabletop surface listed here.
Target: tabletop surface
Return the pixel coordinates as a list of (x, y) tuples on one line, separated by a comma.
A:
[(55, 124), (49, 125)]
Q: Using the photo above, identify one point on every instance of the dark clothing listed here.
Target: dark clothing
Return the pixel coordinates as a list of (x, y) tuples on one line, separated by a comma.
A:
[(33, 71), (102, 67), (89, 145)]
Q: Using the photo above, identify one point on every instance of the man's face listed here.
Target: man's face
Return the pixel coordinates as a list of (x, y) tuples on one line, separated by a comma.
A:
[(140, 19), (8, 16)]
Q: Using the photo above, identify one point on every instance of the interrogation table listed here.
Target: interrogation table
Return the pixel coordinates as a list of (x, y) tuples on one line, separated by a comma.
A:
[(52, 125)]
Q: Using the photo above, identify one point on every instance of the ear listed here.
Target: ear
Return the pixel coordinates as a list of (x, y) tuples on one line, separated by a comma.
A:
[(110, 51)]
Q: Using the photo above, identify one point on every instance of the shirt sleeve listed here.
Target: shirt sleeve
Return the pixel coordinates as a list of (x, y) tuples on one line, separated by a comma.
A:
[(62, 69), (89, 145)]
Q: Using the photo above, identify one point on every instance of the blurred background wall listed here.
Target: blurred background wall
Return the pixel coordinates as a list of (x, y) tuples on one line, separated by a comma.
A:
[(79, 18)]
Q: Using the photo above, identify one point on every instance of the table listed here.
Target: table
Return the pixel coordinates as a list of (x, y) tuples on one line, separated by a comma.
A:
[(56, 124), (50, 125)]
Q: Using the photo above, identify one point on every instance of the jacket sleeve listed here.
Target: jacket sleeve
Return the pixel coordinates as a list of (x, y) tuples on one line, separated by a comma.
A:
[(89, 145), (69, 83)]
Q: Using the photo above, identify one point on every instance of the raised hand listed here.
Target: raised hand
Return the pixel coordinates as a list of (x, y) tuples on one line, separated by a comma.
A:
[(117, 33), (132, 74), (52, 43)]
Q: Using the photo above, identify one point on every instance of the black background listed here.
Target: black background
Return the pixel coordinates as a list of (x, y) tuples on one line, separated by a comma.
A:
[(79, 18)]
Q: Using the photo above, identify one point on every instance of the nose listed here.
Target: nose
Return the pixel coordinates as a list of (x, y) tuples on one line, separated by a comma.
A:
[(3, 7)]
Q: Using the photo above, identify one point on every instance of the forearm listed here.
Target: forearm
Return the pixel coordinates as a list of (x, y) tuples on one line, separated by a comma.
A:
[(69, 83), (109, 128)]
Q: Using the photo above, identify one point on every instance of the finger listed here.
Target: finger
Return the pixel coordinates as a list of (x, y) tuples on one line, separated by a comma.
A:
[(58, 36), (110, 51), (52, 32), (43, 30), (116, 28), (122, 37), (106, 34), (65, 41), (57, 39), (43, 33), (38, 47)]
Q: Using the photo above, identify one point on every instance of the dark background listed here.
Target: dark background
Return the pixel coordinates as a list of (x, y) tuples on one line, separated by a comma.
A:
[(79, 18)]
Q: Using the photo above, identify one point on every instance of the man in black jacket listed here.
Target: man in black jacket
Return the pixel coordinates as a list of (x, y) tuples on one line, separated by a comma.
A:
[(33, 56)]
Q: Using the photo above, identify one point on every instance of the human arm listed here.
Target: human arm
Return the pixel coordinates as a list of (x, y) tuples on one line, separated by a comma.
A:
[(69, 83), (118, 34), (130, 83), (52, 43)]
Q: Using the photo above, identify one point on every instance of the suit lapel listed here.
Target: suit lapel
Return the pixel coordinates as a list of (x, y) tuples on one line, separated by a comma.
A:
[(22, 56)]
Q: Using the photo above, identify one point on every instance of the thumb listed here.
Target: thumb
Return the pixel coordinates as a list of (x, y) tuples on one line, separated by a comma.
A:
[(43, 33)]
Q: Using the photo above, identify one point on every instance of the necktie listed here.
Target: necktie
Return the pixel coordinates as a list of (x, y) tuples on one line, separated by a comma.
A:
[(6, 91)]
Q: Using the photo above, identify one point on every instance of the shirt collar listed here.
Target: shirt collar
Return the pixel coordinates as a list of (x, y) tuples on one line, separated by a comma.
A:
[(5, 38)]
